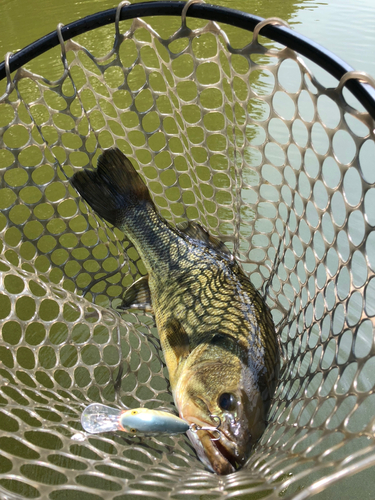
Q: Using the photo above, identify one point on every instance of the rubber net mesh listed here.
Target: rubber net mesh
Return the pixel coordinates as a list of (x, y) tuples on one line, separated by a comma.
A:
[(280, 167)]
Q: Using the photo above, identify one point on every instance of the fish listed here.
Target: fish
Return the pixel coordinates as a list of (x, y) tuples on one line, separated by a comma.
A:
[(97, 418), (216, 331)]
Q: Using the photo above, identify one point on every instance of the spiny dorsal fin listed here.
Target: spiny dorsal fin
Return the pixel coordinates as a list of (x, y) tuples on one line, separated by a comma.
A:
[(198, 233), (138, 296)]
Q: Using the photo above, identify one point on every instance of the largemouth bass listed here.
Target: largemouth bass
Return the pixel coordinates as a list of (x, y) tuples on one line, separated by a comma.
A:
[(216, 332)]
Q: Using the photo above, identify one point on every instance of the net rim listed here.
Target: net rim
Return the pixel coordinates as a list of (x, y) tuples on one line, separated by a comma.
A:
[(362, 90)]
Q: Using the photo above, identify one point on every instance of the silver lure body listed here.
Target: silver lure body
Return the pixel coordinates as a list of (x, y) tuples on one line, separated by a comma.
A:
[(97, 418), (145, 421)]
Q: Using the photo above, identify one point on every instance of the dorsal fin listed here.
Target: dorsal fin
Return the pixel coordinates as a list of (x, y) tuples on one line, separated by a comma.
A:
[(198, 233), (138, 296)]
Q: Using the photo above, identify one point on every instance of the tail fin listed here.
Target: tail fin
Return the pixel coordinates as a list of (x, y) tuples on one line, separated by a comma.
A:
[(113, 188)]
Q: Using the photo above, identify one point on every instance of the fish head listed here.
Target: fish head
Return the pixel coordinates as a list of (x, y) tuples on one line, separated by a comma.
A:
[(223, 393)]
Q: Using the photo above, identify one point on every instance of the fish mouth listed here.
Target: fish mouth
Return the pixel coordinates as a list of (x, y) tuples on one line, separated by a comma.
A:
[(218, 453), (225, 453)]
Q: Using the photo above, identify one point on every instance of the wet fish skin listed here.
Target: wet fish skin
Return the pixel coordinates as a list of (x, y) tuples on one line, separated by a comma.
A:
[(216, 332)]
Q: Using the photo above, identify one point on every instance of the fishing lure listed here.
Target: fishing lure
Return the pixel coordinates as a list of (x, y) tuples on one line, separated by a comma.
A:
[(97, 418)]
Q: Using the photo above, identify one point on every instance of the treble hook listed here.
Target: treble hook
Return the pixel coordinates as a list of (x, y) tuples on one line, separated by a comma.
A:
[(196, 427), (218, 418)]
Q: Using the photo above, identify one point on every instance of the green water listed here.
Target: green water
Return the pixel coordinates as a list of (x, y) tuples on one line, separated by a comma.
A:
[(344, 28)]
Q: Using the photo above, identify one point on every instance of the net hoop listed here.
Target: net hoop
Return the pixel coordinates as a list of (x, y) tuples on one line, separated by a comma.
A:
[(335, 66)]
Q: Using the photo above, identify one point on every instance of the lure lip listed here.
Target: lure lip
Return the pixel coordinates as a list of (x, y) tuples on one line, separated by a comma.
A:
[(98, 418)]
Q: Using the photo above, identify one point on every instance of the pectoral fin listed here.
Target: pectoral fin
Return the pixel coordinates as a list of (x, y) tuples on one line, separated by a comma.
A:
[(138, 296), (177, 339), (176, 348)]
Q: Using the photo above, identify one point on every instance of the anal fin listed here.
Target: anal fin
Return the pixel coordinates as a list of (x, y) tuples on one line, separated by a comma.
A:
[(138, 296)]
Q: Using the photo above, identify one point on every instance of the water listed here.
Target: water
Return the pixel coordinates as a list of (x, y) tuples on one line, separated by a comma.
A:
[(345, 29)]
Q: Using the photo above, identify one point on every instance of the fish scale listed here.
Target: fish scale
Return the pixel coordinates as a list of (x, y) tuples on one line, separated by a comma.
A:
[(216, 332)]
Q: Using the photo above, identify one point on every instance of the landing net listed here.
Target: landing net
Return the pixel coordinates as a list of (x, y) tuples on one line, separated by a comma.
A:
[(249, 143)]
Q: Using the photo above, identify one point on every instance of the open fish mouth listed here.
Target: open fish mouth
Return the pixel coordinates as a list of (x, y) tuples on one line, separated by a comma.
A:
[(219, 455), (226, 455)]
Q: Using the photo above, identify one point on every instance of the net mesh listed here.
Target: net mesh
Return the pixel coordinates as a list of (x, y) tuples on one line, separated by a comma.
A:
[(251, 144)]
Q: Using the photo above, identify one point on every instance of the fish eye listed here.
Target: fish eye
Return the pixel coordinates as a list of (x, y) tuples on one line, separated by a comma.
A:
[(227, 401)]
